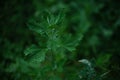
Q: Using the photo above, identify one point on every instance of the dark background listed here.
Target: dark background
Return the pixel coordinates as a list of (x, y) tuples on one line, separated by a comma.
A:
[(99, 21)]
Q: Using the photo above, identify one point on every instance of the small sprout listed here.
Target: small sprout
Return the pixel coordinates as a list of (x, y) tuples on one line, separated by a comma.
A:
[(88, 71), (85, 61)]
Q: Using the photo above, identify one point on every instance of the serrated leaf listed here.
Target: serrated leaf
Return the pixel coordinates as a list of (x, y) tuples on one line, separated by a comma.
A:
[(38, 57), (31, 50)]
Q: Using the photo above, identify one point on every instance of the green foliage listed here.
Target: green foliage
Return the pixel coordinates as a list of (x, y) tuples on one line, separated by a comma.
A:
[(102, 60), (58, 43), (62, 32)]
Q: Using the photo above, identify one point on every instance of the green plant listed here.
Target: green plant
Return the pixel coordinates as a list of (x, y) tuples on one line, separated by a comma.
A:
[(55, 45), (54, 48), (97, 20)]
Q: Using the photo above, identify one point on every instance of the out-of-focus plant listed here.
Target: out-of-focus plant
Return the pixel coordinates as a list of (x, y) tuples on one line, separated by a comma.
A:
[(97, 20), (88, 71), (54, 45)]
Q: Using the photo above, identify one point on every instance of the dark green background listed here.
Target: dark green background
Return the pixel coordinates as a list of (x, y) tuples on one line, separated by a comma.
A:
[(99, 21)]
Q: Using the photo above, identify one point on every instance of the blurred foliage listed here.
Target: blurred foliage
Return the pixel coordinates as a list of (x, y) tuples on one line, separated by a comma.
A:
[(44, 39)]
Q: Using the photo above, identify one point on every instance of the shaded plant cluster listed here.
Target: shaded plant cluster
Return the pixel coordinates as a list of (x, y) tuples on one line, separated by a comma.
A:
[(59, 40)]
